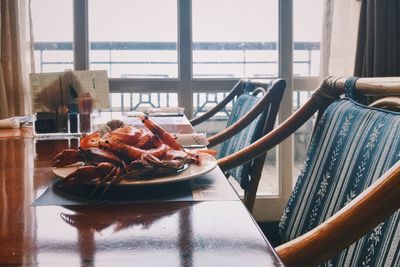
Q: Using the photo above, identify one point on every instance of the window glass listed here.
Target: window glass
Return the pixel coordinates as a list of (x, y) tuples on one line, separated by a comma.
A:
[(235, 38), (307, 35), (302, 136), (53, 35), (134, 38)]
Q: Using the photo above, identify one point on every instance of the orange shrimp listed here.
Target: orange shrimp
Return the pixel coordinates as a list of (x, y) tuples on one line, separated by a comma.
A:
[(165, 137), (152, 142), (193, 154), (144, 138), (131, 137), (125, 129), (90, 140), (131, 152)]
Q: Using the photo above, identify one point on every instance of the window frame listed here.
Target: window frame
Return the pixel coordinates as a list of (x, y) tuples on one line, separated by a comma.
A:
[(185, 85)]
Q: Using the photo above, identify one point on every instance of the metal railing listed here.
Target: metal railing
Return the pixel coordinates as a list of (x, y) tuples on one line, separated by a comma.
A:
[(44, 59), (131, 101)]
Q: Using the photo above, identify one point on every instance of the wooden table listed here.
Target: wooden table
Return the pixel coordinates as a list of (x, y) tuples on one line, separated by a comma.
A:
[(208, 233)]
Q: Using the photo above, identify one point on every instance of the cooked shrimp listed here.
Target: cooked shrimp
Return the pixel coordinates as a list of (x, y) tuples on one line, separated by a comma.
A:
[(164, 136)]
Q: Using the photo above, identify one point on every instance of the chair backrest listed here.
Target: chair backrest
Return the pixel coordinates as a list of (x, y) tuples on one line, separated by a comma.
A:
[(351, 147), (268, 103), (251, 117), (346, 160), (243, 104)]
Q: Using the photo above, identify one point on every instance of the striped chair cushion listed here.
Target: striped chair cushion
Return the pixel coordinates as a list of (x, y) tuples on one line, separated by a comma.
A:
[(352, 146), (248, 135)]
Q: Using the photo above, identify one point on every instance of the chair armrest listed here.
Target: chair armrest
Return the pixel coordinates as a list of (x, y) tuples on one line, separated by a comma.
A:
[(353, 221), (237, 90), (274, 92), (382, 86), (276, 136)]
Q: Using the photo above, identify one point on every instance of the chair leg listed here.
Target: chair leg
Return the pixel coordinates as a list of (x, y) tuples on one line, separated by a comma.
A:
[(250, 197)]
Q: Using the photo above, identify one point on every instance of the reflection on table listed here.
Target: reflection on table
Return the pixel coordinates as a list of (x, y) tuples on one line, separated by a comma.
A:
[(187, 233)]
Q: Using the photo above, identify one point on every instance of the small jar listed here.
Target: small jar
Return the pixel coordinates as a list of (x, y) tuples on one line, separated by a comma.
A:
[(85, 102)]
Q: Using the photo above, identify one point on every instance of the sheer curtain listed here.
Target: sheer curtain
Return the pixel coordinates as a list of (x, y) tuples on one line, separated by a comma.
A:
[(15, 55), (339, 37)]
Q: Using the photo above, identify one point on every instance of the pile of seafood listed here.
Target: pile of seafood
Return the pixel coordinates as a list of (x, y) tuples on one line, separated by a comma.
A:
[(120, 152)]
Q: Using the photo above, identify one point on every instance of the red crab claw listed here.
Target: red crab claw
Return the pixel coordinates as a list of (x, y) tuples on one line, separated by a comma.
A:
[(173, 164), (67, 157), (97, 155), (86, 174)]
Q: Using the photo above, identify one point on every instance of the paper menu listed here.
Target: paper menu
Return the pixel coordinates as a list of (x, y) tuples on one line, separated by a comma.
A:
[(50, 90)]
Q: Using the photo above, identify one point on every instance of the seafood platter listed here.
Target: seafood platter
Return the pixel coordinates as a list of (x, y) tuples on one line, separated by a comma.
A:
[(124, 155)]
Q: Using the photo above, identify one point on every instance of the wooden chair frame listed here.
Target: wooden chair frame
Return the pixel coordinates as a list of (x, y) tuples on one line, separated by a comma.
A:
[(268, 91), (366, 211), (272, 94)]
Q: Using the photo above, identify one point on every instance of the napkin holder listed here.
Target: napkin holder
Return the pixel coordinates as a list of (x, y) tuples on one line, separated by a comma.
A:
[(55, 101), (45, 122)]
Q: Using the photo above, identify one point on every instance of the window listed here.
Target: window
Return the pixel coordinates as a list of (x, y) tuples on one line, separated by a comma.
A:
[(190, 53), (134, 39), (53, 35), (307, 20), (306, 62), (230, 44)]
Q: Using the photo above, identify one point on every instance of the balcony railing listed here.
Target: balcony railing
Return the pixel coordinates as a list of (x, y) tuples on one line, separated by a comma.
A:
[(57, 56)]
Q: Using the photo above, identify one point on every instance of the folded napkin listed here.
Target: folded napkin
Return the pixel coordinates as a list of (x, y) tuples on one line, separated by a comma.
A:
[(165, 111), (11, 123), (192, 139), (134, 114)]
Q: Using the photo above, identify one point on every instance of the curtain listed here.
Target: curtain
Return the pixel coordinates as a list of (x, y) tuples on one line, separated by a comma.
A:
[(15, 56), (378, 44), (339, 37)]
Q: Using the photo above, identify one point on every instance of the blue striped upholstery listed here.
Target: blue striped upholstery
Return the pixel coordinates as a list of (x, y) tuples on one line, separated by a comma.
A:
[(350, 91), (251, 133), (352, 146)]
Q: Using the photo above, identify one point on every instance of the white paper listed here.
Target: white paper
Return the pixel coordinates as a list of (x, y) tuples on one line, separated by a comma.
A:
[(10, 123), (192, 139)]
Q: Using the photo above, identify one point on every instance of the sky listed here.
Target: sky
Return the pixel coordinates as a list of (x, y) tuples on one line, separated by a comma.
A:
[(156, 20)]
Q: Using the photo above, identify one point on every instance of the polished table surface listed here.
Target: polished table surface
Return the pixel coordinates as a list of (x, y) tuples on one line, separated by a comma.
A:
[(207, 233)]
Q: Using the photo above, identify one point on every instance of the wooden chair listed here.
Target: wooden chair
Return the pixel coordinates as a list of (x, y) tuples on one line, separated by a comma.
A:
[(251, 117), (344, 209)]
